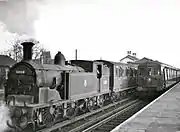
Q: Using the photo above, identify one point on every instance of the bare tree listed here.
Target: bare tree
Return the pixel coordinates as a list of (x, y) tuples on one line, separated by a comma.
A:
[(16, 50), (37, 51)]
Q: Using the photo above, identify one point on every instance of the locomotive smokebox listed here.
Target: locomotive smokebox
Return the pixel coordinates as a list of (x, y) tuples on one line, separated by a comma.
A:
[(59, 59), (27, 50)]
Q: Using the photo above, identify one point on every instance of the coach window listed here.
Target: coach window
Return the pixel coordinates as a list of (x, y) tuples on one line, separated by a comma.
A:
[(131, 72), (134, 73), (6, 74), (117, 72), (155, 71), (142, 71), (120, 73), (127, 72), (105, 70), (149, 71)]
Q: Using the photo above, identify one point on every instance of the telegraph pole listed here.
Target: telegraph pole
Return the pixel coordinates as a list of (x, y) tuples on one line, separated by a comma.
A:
[(76, 54)]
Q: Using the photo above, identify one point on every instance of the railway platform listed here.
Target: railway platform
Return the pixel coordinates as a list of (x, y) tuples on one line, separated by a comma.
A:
[(161, 115)]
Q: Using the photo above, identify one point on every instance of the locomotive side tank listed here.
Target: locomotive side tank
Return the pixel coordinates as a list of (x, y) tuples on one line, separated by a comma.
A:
[(83, 85), (102, 72)]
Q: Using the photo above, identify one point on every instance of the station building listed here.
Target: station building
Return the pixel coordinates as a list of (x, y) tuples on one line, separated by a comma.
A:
[(129, 58)]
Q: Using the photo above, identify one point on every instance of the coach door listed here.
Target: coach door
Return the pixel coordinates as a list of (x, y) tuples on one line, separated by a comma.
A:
[(103, 75), (99, 75)]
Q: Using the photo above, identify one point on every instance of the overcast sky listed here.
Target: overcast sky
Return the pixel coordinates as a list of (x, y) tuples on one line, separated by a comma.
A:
[(108, 28)]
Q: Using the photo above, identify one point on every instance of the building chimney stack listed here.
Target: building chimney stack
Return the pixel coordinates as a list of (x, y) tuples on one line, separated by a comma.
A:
[(129, 52), (134, 54)]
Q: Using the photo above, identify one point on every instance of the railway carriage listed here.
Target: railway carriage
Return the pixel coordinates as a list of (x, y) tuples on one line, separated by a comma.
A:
[(155, 77), (122, 78)]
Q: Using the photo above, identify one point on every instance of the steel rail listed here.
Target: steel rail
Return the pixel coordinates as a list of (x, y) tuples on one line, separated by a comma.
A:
[(81, 117), (95, 126), (92, 122)]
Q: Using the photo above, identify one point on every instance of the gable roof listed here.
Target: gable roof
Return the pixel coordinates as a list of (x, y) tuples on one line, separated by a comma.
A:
[(130, 57), (6, 61), (144, 60)]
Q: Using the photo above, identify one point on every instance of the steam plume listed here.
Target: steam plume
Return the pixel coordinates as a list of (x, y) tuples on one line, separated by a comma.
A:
[(19, 15), (4, 116)]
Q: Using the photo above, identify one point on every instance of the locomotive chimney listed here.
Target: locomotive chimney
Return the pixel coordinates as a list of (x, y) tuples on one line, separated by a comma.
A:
[(27, 50), (59, 59)]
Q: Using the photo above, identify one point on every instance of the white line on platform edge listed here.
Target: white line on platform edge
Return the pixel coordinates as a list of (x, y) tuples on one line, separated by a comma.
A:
[(132, 117)]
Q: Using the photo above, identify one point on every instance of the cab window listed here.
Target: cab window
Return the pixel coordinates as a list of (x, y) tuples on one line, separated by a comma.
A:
[(153, 71)]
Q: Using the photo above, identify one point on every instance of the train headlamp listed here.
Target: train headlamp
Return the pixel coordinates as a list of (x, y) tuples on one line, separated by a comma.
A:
[(149, 79)]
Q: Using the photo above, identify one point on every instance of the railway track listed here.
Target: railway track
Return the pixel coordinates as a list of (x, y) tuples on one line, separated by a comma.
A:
[(114, 120), (108, 120), (88, 119)]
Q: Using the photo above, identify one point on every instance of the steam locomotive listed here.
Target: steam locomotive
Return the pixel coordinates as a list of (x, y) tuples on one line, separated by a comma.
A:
[(155, 77), (40, 95)]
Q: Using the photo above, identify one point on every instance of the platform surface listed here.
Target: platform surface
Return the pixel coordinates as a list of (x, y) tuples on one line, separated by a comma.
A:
[(161, 115)]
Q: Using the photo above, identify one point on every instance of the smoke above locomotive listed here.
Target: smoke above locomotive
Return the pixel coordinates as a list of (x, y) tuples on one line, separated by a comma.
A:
[(4, 117), (19, 15)]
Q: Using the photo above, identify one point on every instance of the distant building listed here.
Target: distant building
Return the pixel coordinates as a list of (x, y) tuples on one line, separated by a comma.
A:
[(129, 58), (45, 58), (5, 63)]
